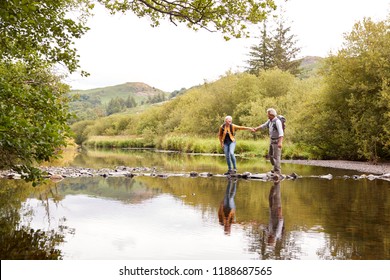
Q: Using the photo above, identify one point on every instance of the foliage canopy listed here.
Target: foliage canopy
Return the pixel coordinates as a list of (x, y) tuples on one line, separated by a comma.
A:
[(229, 16), (35, 31), (33, 119), (352, 115)]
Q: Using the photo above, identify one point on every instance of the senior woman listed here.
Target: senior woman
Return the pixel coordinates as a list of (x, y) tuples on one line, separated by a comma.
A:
[(227, 139)]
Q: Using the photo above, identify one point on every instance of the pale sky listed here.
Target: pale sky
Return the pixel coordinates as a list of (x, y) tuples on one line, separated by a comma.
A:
[(124, 48)]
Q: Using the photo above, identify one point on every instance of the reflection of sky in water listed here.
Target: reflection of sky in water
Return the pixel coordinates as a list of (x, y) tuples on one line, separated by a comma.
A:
[(159, 228), (309, 243)]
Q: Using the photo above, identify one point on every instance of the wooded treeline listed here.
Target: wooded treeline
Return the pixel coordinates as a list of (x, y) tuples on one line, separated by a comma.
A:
[(341, 113)]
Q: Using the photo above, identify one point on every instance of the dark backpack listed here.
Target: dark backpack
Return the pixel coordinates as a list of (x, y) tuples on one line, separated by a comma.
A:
[(283, 120)]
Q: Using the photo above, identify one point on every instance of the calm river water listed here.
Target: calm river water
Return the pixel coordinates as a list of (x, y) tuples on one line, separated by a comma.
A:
[(195, 218)]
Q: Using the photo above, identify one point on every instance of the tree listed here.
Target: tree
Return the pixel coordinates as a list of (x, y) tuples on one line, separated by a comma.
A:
[(284, 49), (130, 102), (33, 119), (260, 55), (34, 37), (160, 97), (34, 31), (115, 105), (276, 49), (354, 119)]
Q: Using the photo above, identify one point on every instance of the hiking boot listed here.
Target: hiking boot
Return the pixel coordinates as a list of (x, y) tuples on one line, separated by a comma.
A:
[(228, 172), (234, 171), (277, 177)]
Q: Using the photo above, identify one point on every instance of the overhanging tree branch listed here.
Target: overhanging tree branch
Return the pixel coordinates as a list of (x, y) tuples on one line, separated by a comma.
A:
[(228, 16)]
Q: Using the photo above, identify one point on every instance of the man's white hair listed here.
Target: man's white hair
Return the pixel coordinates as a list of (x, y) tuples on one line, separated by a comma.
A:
[(228, 117), (272, 111)]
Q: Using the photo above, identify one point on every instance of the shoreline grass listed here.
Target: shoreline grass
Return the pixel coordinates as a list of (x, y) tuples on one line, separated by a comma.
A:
[(187, 144)]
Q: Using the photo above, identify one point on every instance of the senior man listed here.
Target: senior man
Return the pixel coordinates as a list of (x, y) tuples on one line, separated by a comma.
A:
[(276, 134)]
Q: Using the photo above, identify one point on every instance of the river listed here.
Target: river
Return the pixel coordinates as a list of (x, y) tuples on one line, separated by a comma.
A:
[(213, 218)]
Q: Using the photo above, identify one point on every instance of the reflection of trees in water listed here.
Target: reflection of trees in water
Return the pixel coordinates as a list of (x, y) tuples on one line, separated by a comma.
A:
[(25, 243), (17, 239), (347, 223), (369, 244), (127, 190), (364, 238)]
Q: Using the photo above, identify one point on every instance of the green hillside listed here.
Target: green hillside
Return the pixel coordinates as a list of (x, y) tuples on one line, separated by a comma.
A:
[(100, 102), (140, 91)]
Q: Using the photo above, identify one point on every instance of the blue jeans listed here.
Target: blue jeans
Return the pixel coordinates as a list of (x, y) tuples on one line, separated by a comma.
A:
[(229, 154)]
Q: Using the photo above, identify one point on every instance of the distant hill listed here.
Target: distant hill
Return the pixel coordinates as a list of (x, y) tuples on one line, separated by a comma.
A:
[(99, 102), (310, 66), (140, 92)]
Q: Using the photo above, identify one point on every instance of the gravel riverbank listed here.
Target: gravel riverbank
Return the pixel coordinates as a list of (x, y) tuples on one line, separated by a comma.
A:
[(365, 167)]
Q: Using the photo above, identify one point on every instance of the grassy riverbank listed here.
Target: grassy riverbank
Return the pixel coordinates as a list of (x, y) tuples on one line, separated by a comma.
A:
[(187, 144)]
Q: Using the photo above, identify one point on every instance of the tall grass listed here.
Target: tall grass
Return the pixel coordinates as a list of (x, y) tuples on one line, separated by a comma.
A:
[(189, 144), (116, 142)]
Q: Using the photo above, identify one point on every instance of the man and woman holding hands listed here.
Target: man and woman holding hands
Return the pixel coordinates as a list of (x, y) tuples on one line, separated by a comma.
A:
[(227, 140)]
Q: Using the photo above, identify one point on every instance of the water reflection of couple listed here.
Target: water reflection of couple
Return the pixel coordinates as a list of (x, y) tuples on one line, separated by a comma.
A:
[(276, 221), (227, 211), (227, 208)]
